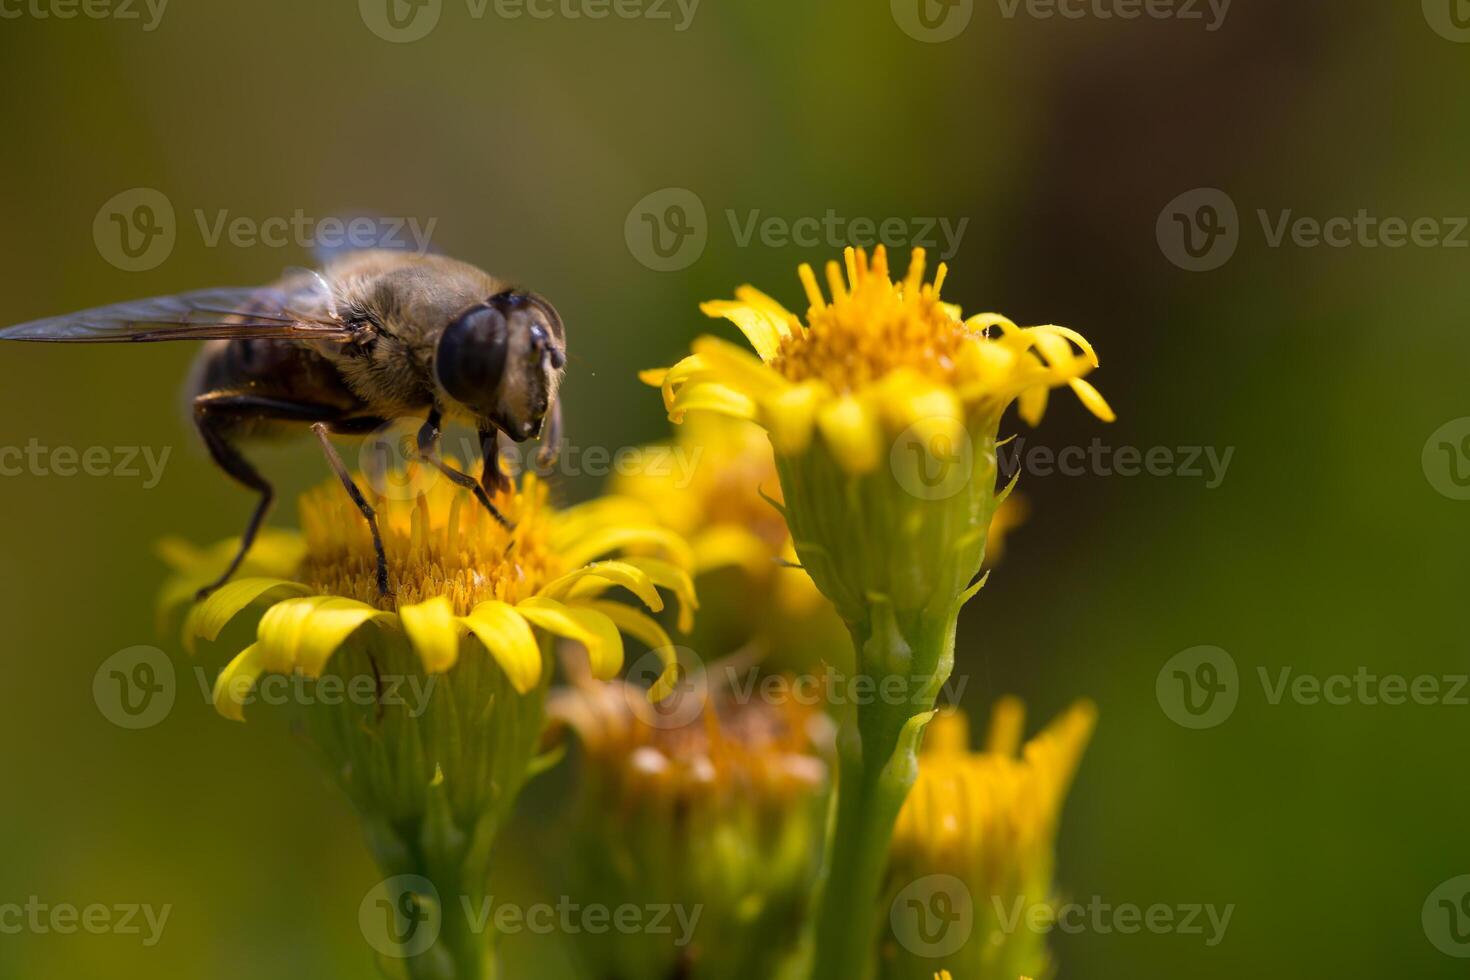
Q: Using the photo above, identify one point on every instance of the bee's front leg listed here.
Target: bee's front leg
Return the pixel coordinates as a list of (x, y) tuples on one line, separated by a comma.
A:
[(428, 442), (492, 476)]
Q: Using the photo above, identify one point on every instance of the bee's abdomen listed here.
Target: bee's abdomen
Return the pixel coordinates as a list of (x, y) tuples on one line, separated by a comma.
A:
[(281, 369)]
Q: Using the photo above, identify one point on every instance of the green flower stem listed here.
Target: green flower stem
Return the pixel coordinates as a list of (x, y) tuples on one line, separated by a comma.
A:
[(433, 781), (878, 762)]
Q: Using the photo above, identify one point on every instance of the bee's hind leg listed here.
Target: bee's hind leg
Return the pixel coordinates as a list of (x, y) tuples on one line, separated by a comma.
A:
[(428, 441), (335, 461), (214, 415)]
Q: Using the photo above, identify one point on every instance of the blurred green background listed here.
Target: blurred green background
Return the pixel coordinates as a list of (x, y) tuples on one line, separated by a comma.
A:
[(1326, 547)]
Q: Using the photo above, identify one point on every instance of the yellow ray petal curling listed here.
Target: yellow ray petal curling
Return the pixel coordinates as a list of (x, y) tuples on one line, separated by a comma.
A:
[(586, 626), (508, 637)]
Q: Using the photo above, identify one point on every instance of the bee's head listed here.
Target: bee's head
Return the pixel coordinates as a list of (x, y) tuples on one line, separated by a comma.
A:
[(502, 360)]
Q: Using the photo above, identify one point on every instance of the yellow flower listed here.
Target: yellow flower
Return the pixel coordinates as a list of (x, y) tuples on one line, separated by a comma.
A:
[(980, 827), (706, 801), (716, 485), (878, 359), (711, 486), (454, 573), (427, 705), (883, 406)]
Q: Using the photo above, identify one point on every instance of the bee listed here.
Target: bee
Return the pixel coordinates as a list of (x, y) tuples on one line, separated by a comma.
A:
[(374, 336)]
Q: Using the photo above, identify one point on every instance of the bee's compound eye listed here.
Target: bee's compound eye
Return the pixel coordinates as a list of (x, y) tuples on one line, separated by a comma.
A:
[(470, 357)]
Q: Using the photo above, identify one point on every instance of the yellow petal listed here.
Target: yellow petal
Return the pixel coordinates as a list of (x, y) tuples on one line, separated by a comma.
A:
[(669, 576), (1093, 399), (734, 366), (815, 299), (586, 626), (1055, 348), (731, 544), (908, 399), (783, 319), (752, 321), (852, 434), (1033, 404), (610, 573), (507, 635), (208, 617), (708, 396), (302, 634), (674, 378), (434, 631), (650, 634), (1075, 338), (237, 680), (788, 415), (606, 540), (986, 363), (581, 519), (982, 322)]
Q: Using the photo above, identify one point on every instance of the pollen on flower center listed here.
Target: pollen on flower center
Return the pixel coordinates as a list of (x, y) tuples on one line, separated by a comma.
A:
[(873, 329), (438, 539)]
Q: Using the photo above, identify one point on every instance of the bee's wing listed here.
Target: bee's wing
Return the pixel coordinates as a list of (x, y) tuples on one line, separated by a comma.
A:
[(210, 314)]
